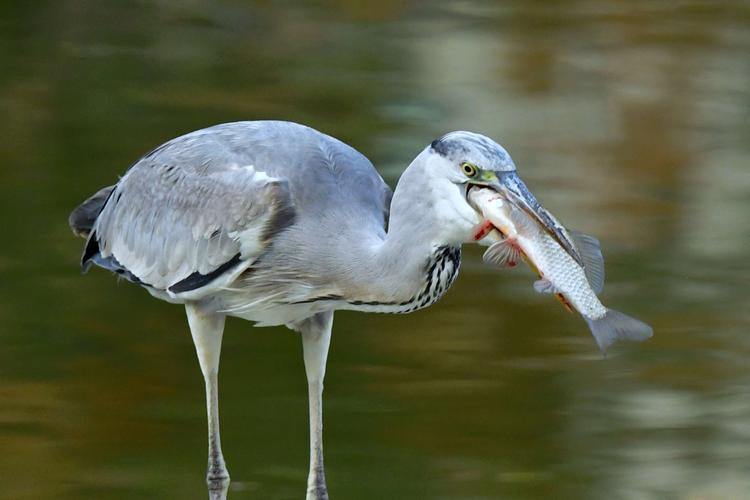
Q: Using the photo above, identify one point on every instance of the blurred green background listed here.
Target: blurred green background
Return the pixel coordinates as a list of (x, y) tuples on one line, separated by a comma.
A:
[(628, 120)]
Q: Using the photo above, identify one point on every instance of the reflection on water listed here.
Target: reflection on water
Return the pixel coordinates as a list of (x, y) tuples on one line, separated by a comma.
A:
[(628, 121)]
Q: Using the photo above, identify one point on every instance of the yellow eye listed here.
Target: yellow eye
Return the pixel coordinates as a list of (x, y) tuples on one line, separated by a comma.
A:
[(469, 169)]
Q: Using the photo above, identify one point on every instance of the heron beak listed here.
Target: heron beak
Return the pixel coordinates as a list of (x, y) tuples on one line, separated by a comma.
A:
[(510, 185)]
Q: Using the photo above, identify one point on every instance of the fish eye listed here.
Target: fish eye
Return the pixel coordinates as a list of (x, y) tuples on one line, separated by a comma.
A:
[(468, 169)]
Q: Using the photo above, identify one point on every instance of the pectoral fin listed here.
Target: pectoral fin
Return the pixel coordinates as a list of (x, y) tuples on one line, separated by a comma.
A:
[(502, 254)]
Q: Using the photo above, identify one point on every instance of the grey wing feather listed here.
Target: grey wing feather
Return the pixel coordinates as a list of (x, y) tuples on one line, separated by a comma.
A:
[(83, 218), (165, 223)]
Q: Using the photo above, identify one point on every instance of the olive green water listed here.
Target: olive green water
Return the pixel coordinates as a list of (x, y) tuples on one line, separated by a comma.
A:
[(628, 120)]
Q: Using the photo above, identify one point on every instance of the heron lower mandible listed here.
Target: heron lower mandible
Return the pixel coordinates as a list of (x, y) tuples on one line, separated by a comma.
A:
[(279, 224)]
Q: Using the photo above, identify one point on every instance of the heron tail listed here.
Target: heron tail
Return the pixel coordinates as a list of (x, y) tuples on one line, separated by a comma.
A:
[(82, 219), (615, 326)]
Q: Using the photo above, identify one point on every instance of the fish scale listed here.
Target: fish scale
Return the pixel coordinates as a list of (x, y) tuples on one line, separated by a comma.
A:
[(558, 267)]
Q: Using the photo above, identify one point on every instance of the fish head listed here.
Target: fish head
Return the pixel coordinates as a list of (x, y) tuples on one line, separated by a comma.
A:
[(483, 163)]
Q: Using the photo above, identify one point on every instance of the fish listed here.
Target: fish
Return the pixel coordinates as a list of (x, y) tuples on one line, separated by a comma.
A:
[(575, 274)]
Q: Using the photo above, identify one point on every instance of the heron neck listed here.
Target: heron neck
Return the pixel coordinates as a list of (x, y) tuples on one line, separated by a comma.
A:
[(399, 268)]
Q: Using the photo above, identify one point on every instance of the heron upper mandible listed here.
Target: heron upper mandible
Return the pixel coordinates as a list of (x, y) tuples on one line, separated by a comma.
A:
[(277, 223)]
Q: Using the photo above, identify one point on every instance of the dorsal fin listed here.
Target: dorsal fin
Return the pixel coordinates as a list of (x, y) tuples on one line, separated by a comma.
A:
[(593, 260)]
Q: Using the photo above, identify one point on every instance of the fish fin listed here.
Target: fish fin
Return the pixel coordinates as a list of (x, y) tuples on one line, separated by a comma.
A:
[(561, 298), (615, 326), (502, 254), (593, 261), (545, 286)]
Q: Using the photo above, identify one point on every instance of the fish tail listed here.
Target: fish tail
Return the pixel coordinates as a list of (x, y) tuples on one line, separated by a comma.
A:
[(614, 326)]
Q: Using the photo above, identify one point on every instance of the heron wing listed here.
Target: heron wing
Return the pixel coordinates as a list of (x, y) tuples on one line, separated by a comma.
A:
[(209, 204), (177, 227), (83, 218)]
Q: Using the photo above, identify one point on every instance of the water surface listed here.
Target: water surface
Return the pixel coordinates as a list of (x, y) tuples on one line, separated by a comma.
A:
[(628, 120)]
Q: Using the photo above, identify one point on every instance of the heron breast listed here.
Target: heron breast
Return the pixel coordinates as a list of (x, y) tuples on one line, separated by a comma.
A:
[(441, 270)]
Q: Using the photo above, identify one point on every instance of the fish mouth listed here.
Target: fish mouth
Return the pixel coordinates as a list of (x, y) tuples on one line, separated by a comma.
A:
[(512, 189)]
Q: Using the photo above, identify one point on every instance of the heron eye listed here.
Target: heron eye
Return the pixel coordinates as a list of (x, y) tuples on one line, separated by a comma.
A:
[(469, 169)]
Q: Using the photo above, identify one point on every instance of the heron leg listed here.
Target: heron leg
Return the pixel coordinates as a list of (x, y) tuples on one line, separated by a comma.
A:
[(316, 337), (207, 329)]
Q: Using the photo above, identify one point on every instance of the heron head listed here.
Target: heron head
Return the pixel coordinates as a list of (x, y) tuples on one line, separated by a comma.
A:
[(471, 160)]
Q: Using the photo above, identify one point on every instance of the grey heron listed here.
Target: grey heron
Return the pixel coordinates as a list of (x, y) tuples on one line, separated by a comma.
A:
[(277, 223)]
